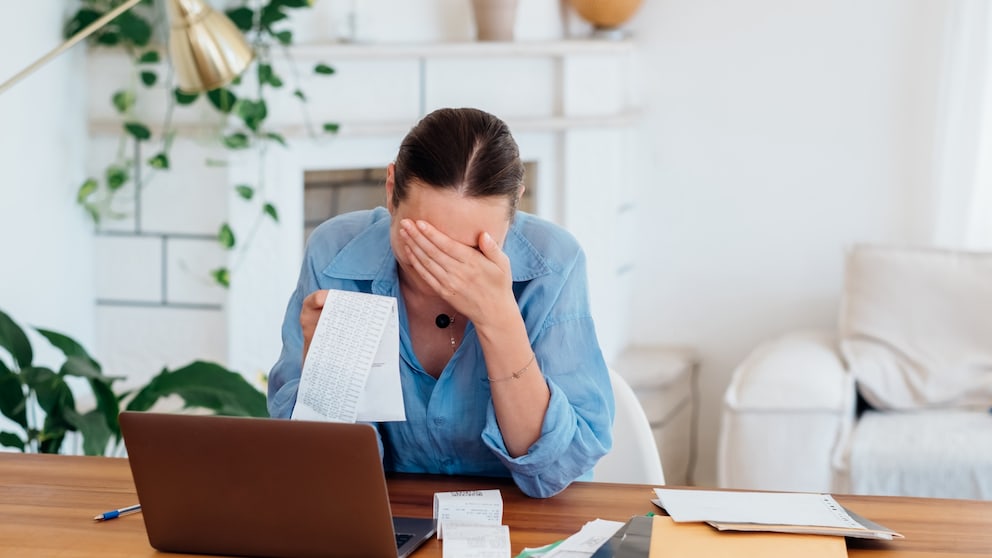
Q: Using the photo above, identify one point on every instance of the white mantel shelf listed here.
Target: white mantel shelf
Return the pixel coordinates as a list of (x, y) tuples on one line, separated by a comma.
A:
[(412, 63), (358, 51), (111, 127), (565, 47)]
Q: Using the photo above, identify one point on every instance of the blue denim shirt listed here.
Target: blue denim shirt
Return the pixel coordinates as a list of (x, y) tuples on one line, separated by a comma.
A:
[(451, 426)]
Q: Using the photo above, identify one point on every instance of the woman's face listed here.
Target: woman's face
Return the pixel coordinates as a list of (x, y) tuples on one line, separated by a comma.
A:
[(462, 218)]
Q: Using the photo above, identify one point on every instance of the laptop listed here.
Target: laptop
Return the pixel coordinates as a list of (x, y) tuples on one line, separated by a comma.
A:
[(264, 487)]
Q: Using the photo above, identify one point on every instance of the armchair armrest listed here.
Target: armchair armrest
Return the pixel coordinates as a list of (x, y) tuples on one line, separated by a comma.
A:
[(800, 371), (789, 406)]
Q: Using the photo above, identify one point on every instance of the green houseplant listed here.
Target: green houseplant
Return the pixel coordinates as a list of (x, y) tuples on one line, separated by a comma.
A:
[(43, 410), (242, 110)]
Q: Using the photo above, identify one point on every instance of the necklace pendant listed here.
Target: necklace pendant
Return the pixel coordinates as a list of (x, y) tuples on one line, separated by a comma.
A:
[(443, 320)]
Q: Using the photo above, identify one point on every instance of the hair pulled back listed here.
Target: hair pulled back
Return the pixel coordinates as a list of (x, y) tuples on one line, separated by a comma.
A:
[(464, 149)]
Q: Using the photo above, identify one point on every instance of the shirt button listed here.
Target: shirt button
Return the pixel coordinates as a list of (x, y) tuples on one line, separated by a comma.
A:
[(439, 420)]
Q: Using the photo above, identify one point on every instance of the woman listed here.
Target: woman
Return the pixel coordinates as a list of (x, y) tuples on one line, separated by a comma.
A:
[(499, 363)]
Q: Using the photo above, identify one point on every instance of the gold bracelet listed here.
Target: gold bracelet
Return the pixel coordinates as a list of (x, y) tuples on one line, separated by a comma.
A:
[(516, 375)]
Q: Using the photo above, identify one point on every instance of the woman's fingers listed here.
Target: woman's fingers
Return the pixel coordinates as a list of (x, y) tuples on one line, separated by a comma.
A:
[(310, 311)]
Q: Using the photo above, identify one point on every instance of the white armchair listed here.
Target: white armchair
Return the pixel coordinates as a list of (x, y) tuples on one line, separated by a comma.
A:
[(788, 408), (915, 339)]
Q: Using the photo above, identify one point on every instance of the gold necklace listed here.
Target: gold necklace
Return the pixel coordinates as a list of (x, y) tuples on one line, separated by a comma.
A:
[(443, 321)]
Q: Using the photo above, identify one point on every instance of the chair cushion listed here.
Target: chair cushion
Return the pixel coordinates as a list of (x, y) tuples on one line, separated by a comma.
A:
[(916, 327), (933, 454)]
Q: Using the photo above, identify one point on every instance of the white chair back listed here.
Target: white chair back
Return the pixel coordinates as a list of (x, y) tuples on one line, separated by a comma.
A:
[(634, 458)]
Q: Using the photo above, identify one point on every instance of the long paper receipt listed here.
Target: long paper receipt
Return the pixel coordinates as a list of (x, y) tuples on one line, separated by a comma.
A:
[(351, 372)]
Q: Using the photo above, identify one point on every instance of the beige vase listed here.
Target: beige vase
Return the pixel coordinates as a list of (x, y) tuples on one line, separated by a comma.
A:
[(494, 19)]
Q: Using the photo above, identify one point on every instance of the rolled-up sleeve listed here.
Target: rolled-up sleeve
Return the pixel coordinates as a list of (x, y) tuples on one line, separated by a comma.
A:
[(577, 428)]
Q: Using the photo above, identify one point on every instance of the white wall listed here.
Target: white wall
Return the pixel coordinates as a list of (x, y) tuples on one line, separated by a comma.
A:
[(777, 133), (46, 275)]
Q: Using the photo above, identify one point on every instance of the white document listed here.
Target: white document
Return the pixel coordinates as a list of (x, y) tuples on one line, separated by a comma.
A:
[(351, 372), (476, 541), (587, 541), (769, 508), (472, 507)]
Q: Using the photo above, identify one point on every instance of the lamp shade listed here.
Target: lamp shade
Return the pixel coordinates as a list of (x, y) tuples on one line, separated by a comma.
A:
[(207, 50)]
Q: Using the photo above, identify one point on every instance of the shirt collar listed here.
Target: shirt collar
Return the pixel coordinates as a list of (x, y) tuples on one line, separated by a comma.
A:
[(369, 256)]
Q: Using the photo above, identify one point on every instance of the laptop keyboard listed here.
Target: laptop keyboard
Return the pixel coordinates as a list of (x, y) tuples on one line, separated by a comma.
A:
[(401, 539)]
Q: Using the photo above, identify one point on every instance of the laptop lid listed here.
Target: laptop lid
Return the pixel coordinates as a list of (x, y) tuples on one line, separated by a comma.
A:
[(262, 487)]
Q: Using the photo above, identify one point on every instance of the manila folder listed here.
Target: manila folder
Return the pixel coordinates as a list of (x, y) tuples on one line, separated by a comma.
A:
[(677, 540)]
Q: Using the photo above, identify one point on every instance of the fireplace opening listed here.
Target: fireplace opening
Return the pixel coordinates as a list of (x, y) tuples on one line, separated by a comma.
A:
[(327, 193)]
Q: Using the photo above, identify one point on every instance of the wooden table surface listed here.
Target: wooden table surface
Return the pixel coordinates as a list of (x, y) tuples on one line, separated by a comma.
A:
[(47, 504)]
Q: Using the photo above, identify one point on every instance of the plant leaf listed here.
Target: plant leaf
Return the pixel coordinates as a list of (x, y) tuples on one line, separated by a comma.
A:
[(72, 349), (204, 385), (83, 367), (80, 20), (222, 276), (237, 140), (65, 344), (284, 38), (160, 161), (295, 3), (31, 376), (267, 75), (138, 130), (323, 69), (123, 100), (242, 17), (52, 391), (331, 127), (226, 236), (222, 99), (252, 112), (93, 427), (86, 190), (149, 57), (11, 440), (134, 28), (278, 138), (108, 37), (117, 177), (300, 95), (107, 403), (13, 339), (271, 13), (184, 98), (13, 400), (245, 191), (93, 211), (270, 210), (52, 434), (149, 78)]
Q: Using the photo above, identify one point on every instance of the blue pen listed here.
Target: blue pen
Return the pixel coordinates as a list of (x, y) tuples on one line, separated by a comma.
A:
[(117, 513)]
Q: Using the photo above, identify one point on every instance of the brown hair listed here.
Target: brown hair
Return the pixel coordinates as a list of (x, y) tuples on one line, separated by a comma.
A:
[(465, 149)]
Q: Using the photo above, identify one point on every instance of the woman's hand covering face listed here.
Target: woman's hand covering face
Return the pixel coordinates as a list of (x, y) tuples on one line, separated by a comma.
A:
[(476, 281)]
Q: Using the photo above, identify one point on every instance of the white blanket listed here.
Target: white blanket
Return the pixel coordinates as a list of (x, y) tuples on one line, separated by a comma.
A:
[(916, 327), (940, 454)]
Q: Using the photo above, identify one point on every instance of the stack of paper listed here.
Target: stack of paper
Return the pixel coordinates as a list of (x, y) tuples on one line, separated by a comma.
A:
[(806, 513)]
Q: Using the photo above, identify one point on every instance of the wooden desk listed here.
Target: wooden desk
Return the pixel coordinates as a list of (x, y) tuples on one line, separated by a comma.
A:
[(47, 504)]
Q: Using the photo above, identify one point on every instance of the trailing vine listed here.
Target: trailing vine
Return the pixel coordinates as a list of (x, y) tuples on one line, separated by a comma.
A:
[(244, 112)]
